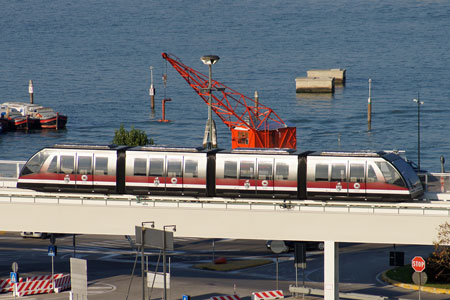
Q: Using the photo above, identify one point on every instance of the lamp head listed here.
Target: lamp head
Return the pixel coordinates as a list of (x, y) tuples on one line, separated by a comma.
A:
[(210, 59)]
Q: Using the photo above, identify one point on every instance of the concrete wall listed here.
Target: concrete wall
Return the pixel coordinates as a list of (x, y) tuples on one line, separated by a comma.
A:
[(314, 85), (337, 74)]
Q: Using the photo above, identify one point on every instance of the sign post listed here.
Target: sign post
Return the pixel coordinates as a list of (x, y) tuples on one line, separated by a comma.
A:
[(419, 278), (14, 276), (52, 253)]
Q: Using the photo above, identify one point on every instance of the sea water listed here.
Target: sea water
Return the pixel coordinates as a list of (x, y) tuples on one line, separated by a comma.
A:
[(90, 60)]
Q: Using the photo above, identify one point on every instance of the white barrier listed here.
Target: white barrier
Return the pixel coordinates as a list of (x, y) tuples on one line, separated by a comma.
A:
[(268, 295), (226, 297)]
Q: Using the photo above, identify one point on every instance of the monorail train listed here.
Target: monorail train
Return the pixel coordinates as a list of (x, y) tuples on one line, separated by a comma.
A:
[(262, 173)]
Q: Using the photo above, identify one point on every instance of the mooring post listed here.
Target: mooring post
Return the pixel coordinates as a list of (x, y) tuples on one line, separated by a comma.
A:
[(30, 91), (164, 110), (152, 90), (369, 107)]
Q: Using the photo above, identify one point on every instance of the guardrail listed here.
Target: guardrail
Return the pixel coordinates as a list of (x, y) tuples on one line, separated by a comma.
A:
[(434, 208), (9, 172), (10, 168), (356, 296), (435, 182)]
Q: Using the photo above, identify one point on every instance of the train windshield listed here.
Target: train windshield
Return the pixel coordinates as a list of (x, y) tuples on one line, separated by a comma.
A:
[(407, 171), (35, 163)]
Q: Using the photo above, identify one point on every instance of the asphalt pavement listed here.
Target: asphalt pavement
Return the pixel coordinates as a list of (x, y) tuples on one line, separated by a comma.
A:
[(111, 261)]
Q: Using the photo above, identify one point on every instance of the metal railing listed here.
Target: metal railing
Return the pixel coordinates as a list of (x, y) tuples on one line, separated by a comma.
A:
[(435, 182), (9, 172), (10, 169), (422, 208)]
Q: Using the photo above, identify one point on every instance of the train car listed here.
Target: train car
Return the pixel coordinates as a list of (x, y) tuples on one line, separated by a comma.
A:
[(376, 176), (75, 168), (166, 171), (260, 173), (265, 173)]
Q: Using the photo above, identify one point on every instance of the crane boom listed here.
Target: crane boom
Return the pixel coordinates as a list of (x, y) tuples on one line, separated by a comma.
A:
[(252, 125)]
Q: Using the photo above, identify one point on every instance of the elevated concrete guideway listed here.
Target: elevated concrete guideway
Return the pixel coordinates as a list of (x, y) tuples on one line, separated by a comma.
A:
[(398, 223)]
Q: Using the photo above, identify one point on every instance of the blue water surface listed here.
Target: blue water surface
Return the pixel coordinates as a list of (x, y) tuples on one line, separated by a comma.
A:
[(90, 60)]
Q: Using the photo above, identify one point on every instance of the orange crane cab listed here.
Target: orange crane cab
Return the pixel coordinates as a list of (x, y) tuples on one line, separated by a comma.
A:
[(252, 125)]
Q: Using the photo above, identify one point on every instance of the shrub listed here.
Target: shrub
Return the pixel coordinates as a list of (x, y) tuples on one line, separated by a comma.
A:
[(134, 137)]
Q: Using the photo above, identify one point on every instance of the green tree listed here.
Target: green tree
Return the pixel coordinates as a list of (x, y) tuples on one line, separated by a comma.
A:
[(134, 137), (438, 264)]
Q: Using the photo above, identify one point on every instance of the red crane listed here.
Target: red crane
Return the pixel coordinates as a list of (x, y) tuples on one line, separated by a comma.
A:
[(252, 125)]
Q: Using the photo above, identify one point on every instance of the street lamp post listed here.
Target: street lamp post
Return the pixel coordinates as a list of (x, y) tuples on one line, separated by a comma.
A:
[(142, 254), (174, 228), (210, 60), (419, 103)]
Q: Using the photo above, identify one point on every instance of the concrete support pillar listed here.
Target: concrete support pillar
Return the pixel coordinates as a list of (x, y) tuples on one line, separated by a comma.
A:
[(331, 272)]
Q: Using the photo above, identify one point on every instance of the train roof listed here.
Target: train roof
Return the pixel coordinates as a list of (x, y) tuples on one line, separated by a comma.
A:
[(362, 153), (171, 149), (279, 151), (88, 146)]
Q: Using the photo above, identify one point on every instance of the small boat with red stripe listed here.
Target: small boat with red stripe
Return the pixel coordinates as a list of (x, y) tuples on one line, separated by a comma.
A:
[(33, 116)]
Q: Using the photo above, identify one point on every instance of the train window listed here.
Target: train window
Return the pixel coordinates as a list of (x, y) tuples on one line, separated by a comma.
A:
[(34, 164), (247, 170), (391, 175), (53, 166), (101, 166), (67, 164), (321, 172), (191, 168), (174, 168), (140, 167), (338, 172), (282, 171), (85, 165), (230, 169), (371, 175), (156, 167), (265, 171), (356, 173)]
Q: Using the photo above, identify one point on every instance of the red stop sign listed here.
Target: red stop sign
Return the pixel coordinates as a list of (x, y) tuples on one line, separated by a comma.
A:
[(418, 264)]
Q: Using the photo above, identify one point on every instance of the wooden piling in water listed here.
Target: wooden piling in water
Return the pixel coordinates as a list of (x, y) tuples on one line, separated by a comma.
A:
[(30, 91)]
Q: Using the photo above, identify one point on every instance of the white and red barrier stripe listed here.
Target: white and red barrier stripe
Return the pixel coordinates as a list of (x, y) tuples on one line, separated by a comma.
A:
[(5, 286), (43, 277), (37, 284), (62, 283), (34, 287), (225, 297), (268, 295)]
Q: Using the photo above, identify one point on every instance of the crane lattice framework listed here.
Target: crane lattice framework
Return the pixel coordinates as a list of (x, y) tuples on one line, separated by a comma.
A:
[(252, 125)]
